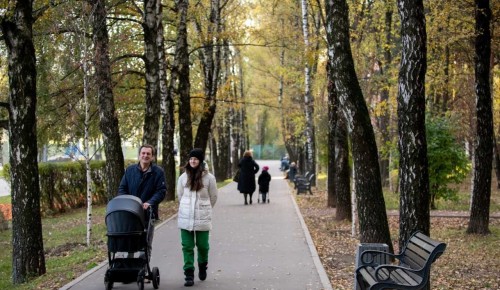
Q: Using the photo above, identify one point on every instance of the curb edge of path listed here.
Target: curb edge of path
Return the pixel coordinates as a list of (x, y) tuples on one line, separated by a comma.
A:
[(312, 248), (103, 263)]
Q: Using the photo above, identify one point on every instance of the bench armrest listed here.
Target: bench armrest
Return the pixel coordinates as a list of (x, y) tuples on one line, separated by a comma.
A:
[(386, 270), (373, 253)]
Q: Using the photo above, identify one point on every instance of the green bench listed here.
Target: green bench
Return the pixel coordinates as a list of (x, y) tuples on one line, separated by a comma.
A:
[(412, 270)]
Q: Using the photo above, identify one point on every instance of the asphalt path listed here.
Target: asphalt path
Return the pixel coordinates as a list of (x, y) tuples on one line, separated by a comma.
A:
[(258, 246)]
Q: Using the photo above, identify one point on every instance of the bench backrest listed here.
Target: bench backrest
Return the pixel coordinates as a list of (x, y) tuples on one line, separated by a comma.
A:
[(421, 251)]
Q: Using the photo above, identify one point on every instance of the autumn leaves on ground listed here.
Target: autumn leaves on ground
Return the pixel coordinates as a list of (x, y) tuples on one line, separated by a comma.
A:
[(470, 262)]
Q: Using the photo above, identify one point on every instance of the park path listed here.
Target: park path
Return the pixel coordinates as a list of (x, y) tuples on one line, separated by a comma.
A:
[(258, 246)]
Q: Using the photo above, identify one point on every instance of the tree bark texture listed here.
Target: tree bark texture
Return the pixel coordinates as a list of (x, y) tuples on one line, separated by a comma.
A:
[(210, 61), (28, 258), (412, 144), (108, 121), (342, 171), (333, 109), (168, 120), (184, 88), (373, 223), (308, 98), (153, 96), (483, 149)]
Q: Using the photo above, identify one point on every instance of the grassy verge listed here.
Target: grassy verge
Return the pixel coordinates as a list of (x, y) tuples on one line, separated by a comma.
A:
[(66, 253), (64, 237)]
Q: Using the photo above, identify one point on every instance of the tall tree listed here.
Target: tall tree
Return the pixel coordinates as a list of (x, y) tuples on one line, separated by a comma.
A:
[(308, 97), (374, 227), (108, 120), (412, 144), (151, 59), (181, 69), (483, 149), (167, 110), (339, 191), (210, 57), (28, 258)]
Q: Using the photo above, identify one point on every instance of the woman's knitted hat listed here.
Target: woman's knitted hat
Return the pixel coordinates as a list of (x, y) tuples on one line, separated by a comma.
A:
[(265, 168), (198, 154)]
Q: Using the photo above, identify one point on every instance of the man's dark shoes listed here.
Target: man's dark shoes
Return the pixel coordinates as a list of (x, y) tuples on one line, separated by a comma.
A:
[(189, 273), (202, 274)]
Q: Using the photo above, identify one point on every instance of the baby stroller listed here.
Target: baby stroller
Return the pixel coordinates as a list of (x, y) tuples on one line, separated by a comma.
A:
[(130, 231)]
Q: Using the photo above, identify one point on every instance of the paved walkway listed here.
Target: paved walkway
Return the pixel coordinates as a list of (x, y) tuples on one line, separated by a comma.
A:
[(258, 246)]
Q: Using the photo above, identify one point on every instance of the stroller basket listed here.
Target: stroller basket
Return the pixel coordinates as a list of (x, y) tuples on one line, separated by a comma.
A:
[(126, 224)]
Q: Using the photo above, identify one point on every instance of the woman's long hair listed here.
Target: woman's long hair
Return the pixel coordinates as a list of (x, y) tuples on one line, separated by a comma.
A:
[(194, 176)]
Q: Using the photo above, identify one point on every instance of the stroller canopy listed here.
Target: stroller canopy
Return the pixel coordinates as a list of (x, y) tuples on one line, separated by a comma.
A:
[(124, 214)]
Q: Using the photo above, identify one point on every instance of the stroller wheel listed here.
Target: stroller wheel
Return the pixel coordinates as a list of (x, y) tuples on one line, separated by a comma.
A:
[(140, 284), (155, 275), (108, 283)]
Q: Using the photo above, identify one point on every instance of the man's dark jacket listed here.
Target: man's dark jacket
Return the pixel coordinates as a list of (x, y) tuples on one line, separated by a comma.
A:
[(149, 186)]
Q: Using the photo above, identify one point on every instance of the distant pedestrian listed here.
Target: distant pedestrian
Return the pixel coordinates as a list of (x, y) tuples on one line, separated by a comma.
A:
[(248, 169), (197, 194), (264, 180), (292, 171)]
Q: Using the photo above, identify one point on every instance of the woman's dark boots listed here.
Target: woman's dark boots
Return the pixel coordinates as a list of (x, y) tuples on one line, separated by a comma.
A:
[(245, 195), (189, 273), (202, 274)]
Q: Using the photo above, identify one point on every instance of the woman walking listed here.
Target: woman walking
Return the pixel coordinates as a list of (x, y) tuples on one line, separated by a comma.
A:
[(248, 169), (197, 193)]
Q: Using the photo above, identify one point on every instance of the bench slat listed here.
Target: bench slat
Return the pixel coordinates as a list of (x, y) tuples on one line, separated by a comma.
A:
[(418, 254)]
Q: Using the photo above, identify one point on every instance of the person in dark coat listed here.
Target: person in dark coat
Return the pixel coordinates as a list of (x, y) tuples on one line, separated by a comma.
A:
[(264, 180), (248, 169)]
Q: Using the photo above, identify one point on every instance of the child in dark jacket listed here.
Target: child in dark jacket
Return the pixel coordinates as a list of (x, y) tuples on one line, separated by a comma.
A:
[(264, 180)]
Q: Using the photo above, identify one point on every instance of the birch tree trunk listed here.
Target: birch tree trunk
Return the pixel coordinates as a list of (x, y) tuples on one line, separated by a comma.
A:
[(483, 150), (181, 68), (153, 96), (210, 61), (412, 144), (28, 258), (108, 120), (308, 98), (370, 200), (167, 102), (86, 147)]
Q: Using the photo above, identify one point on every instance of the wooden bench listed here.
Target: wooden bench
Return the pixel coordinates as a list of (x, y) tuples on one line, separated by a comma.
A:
[(304, 185), (412, 270)]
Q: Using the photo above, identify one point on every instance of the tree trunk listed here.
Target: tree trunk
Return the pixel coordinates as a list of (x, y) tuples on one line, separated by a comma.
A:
[(153, 96), (108, 121), (497, 161), (168, 120), (210, 60), (27, 240), (371, 207), (412, 145), (308, 99), (483, 149), (342, 171), (333, 109), (182, 59)]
